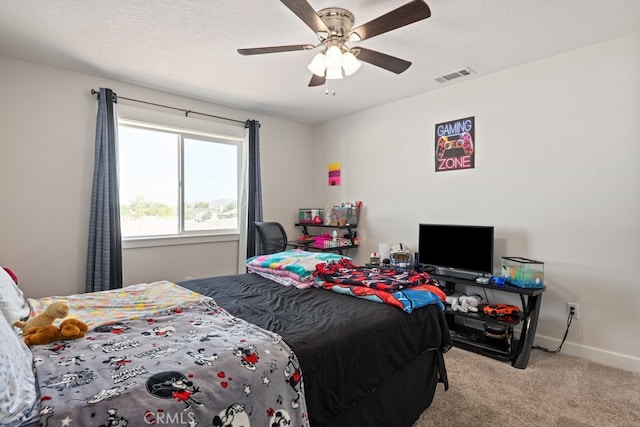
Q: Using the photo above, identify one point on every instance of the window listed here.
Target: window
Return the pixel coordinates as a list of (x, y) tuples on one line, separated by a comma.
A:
[(175, 182)]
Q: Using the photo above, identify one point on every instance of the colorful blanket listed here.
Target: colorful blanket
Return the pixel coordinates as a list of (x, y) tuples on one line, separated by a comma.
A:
[(405, 289), (186, 363), (294, 267), (131, 302)]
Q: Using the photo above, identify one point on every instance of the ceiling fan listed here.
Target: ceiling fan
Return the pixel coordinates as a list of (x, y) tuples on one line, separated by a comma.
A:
[(333, 27)]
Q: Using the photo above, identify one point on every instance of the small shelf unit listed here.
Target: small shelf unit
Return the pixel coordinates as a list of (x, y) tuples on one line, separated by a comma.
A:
[(307, 245)]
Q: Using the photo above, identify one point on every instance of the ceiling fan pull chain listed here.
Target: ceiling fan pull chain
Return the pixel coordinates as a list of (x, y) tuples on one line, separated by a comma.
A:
[(327, 89)]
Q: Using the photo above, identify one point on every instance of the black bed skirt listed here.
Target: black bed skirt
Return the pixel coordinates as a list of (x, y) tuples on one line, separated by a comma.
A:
[(399, 400)]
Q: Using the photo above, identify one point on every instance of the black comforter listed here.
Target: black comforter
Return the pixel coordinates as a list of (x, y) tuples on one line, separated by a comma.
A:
[(347, 347)]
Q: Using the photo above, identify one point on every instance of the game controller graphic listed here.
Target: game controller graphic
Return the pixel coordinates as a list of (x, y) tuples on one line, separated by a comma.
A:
[(464, 141)]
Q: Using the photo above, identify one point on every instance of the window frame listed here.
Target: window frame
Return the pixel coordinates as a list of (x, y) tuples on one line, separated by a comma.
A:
[(188, 236)]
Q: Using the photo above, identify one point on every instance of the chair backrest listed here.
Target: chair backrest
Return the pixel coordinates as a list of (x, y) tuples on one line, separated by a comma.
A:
[(272, 237)]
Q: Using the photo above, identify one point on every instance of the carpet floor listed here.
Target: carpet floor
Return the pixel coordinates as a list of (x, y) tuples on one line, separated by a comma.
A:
[(554, 390)]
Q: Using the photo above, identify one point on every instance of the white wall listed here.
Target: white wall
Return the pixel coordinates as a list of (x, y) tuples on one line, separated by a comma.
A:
[(557, 173), (47, 135)]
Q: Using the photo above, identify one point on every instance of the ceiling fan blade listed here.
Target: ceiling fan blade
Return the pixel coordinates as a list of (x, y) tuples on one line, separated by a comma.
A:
[(411, 12), (382, 60), (274, 49), (308, 15), (316, 80)]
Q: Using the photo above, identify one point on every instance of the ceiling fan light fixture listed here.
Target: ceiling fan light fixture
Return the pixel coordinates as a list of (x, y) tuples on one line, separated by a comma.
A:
[(334, 73), (333, 56), (318, 65), (350, 63)]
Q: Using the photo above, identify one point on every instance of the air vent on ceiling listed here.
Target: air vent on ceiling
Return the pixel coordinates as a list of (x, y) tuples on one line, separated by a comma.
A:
[(454, 75)]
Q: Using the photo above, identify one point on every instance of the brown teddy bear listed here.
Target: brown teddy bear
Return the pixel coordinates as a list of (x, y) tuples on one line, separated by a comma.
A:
[(55, 310), (69, 329)]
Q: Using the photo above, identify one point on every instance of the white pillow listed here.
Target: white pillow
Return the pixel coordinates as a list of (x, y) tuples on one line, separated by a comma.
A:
[(12, 303), (18, 393)]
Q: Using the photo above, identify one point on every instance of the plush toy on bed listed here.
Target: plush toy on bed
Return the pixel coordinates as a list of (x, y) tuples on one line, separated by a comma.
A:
[(69, 329), (55, 310)]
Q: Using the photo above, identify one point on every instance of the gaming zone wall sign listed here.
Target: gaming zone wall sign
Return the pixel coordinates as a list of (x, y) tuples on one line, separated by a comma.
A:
[(455, 145)]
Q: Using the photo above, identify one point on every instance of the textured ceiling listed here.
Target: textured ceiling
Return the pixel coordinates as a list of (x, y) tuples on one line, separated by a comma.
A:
[(189, 47)]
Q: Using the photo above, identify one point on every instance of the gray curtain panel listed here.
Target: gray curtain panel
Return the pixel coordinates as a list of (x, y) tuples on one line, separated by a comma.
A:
[(104, 257), (255, 187)]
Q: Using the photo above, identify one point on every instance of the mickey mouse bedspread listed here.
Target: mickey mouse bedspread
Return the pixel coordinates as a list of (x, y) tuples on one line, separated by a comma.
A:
[(184, 363)]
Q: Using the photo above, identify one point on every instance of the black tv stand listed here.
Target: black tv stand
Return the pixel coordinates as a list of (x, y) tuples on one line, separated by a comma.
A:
[(438, 271), (514, 349)]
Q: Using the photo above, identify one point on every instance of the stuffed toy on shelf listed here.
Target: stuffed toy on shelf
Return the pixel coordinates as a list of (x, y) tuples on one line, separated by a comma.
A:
[(464, 303)]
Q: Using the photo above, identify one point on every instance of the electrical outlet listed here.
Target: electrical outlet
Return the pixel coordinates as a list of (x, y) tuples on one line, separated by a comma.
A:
[(573, 307)]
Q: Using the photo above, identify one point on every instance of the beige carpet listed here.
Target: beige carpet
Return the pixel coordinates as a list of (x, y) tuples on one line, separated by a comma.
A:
[(554, 390)]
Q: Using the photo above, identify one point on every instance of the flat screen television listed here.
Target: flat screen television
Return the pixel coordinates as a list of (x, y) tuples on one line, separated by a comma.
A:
[(464, 251)]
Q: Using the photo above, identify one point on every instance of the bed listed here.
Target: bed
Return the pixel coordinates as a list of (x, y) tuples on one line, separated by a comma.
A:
[(238, 350), (364, 363)]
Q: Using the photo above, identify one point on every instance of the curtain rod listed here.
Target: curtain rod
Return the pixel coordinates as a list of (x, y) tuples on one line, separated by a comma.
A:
[(186, 112)]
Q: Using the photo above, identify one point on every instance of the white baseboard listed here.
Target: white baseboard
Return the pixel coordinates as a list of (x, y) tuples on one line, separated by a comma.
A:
[(598, 355)]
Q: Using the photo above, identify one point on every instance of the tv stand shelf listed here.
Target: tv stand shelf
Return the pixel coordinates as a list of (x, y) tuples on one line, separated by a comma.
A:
[(474, 340), (484, 318), (514, 349)]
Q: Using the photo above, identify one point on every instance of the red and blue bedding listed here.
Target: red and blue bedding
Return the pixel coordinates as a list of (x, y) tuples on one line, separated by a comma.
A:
[(406, 289)]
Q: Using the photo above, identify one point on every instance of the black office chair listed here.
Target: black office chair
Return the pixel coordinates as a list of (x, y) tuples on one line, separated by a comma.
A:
[(272, 237)]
